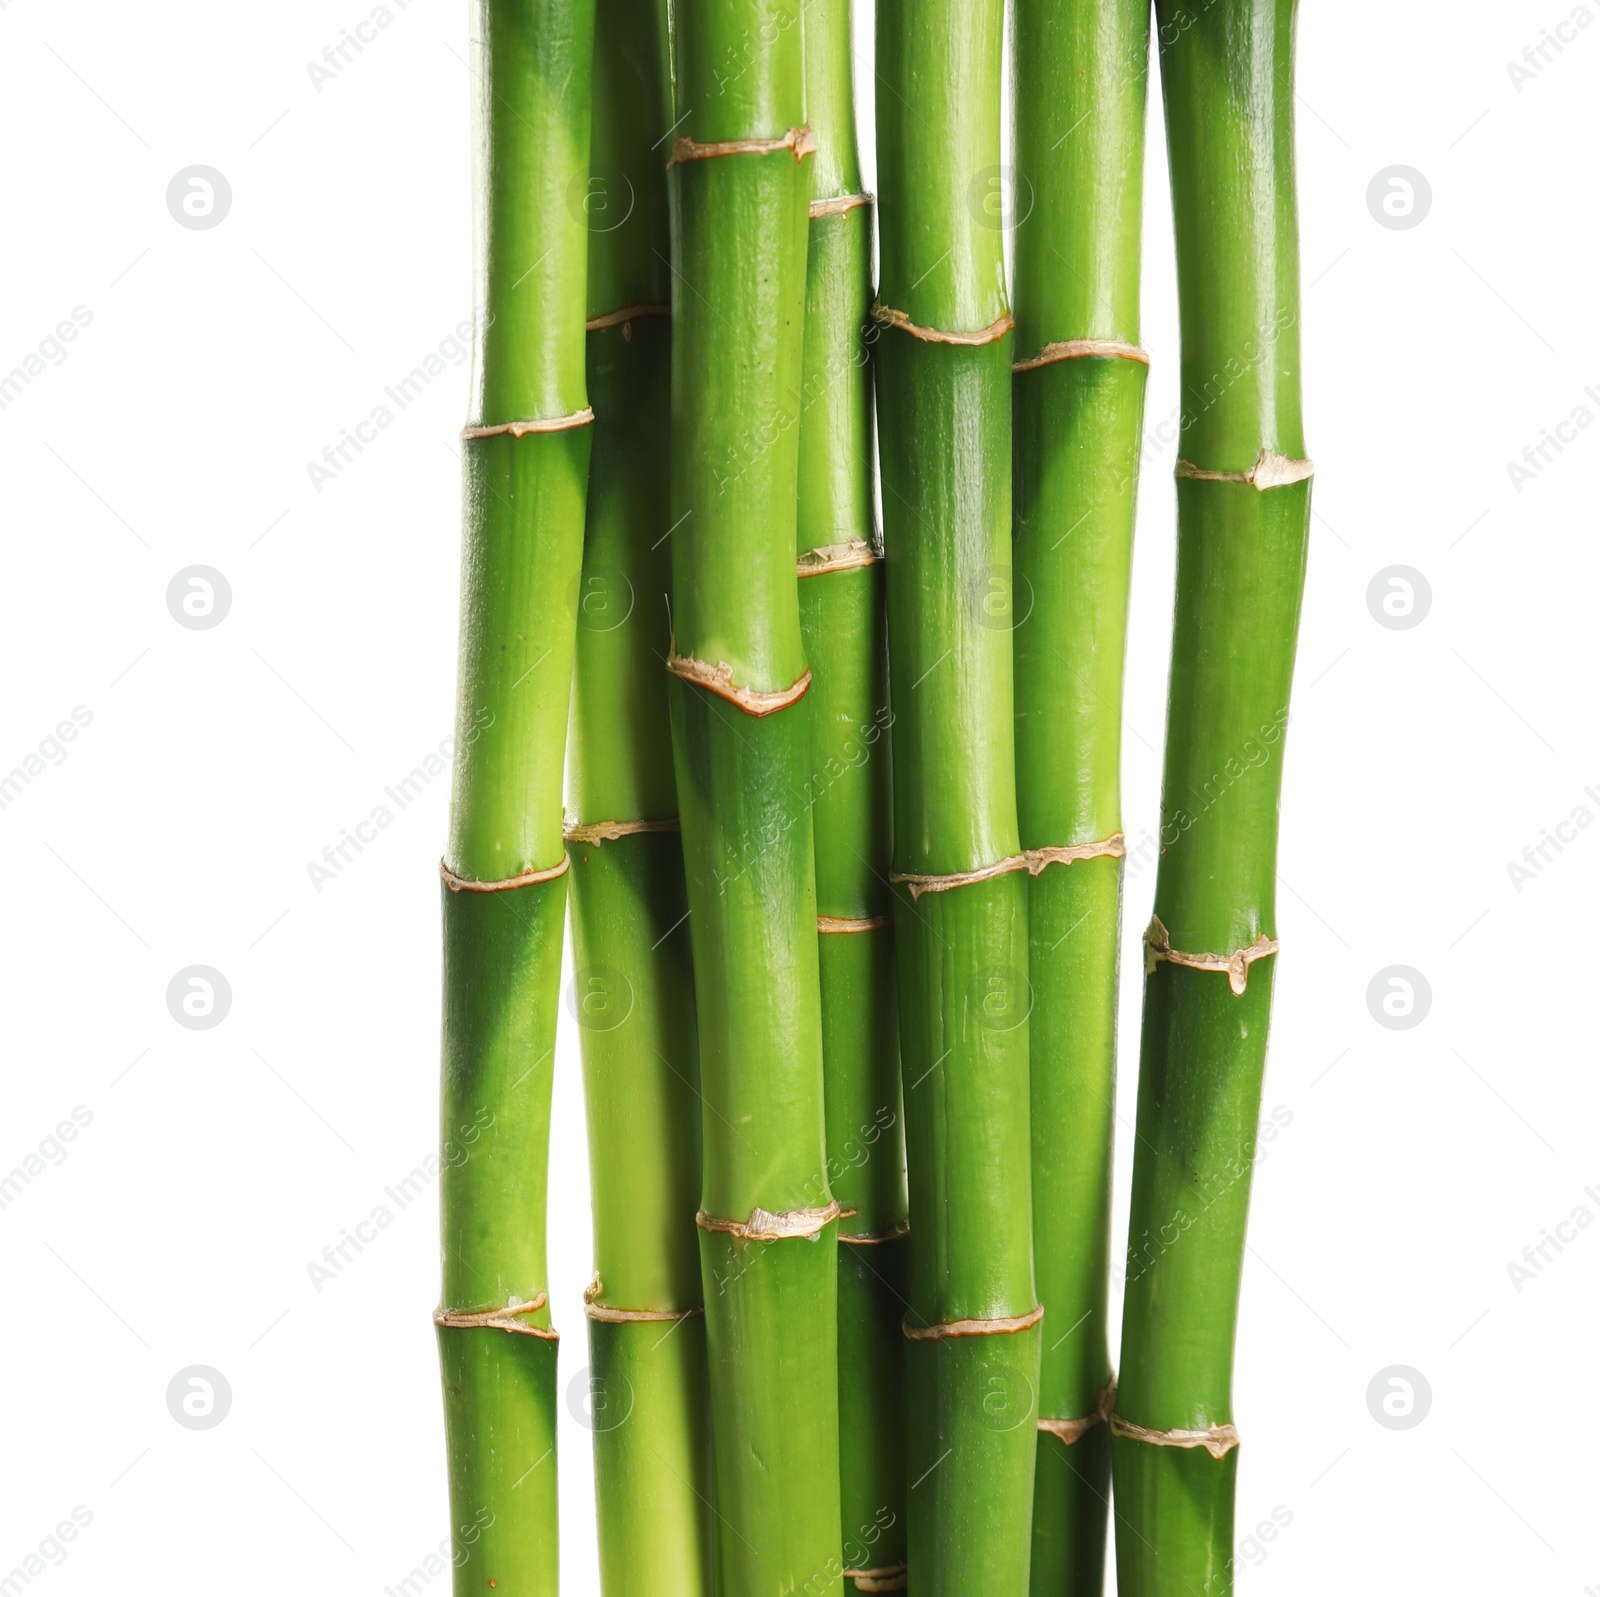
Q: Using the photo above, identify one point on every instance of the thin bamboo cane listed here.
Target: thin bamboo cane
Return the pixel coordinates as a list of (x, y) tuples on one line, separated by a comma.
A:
[(842, 623), (1243, 507), (526, 459), (633, 993), (740, 733), (943, 369), (1078, 393)]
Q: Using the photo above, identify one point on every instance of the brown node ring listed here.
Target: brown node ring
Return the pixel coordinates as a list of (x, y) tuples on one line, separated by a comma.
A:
[(1271, 470), (1111, 847), (609, 831), (520, 429), (1069, 1431), (767, 1225), (625, 313), (1158, 947), (839, 204), (892, 1577), (864, 1239), (949, 1328), (1080, 349), (529, 878), (832, 925), (801, 140), (718, 679), (1217, 1440), (846, 556), (992, 334), (502, 1319), (919, 885)]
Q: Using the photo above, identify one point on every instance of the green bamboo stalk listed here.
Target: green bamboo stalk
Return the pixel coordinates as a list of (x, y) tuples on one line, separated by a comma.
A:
[(1079, 409), (525, 460), (1244, 496), (740, 734), (633, 993), (961, 927), (842, 623)]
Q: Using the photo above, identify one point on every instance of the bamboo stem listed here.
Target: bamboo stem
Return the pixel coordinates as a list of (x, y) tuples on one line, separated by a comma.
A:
[(633, 994), (842, 622), (1079, 403), (943, 369), (504, 867), (740, 732), (1228, 85)]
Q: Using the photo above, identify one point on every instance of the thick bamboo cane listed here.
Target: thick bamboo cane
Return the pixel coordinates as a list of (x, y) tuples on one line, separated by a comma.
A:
[(961, 928), (1079, 388), (740, 733), (1244, 496), (632, 991), (526, 460), (842, 622)]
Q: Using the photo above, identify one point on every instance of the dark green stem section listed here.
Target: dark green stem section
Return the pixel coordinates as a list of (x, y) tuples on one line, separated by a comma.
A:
[(522, 541), (1228, 84), (1080, 114), (842, 623), (739, 262), (945, 437)]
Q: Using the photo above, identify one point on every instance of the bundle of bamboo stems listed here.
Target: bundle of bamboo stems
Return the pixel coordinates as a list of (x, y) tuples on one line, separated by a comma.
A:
[(842, 812)]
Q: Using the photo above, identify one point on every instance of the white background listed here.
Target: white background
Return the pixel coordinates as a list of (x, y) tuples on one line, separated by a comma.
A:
[(218, 764)]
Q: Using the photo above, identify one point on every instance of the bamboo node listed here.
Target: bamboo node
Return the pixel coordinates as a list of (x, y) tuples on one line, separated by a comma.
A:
[(839, 204), (801, 140), (1158, 946), (625, 313), (891, 1577), (609, 831), (948, 1328), (829, 925), (919, 885), (865, 1239), (1070, 1431), (1080, 349), (719, 680), (1217, 1440), (992, 334), (520, 429), (610, 1316), (1270, 471), (1112, 847), (765, 1225), (846, 556), (529, 878), (501, 1319)]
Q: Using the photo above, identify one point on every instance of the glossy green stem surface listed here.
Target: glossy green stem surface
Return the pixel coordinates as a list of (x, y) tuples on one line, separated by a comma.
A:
[(1227, 82), (945, 437), (739, 283), (1080, 115), (522, 542), (842, 623)]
